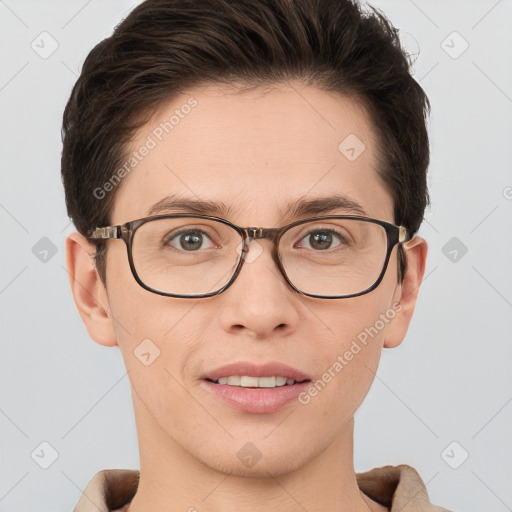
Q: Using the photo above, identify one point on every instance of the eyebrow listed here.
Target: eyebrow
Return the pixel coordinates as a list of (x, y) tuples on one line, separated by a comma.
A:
[(175, 203)]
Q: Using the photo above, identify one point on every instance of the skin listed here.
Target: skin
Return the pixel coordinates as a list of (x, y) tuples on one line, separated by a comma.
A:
[(255, 151)]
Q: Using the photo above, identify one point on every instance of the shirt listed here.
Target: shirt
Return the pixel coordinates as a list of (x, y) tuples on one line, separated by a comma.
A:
[(397, 487)]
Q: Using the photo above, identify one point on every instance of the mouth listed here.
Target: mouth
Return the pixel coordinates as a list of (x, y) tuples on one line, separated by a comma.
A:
[(247, 381), (257, 389)]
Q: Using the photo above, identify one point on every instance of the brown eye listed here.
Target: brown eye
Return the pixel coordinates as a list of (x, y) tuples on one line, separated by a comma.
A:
[(188, 240), (323, 239)]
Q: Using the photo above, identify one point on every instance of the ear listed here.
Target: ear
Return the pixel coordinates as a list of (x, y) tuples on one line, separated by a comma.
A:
[(406, 294), (88, 290)]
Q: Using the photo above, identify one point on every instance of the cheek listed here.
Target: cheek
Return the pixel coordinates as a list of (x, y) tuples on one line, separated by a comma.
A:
[(156, 335), (156, 329), (156, 339), (348, 358)]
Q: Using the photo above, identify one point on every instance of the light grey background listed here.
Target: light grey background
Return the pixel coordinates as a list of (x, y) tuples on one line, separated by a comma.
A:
[(448, 382)]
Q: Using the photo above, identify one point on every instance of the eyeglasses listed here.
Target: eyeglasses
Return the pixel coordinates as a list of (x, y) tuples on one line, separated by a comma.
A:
[(193, 256)]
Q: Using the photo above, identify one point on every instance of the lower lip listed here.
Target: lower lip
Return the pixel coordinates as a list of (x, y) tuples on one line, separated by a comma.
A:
[(257, 400)]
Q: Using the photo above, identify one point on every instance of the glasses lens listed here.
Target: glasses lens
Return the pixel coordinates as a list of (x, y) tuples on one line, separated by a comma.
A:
[(334, 256), (185, 256)]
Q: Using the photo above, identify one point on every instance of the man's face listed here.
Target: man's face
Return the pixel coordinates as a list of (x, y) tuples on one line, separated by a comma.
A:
[(255, 152)]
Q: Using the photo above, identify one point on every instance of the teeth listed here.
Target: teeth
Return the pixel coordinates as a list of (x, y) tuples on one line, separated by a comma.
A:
[(255, 382), (249, 382)]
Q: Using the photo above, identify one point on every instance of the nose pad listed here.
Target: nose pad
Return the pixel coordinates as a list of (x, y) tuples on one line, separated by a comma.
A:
[(252, 250)]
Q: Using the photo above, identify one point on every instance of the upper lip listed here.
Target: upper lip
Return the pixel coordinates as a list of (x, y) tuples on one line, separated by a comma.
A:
[(253, 370)]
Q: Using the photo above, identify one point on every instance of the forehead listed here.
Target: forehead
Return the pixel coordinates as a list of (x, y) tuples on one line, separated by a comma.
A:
[(254, 153)]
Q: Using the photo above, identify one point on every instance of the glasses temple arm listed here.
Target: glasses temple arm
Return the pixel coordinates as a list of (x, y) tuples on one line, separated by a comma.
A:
[(106, 233)]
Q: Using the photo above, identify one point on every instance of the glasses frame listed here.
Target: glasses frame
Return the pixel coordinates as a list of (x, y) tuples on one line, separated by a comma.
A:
[(395, 235)]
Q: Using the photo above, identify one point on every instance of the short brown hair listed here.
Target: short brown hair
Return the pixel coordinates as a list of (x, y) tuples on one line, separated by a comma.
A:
[(165, 47)]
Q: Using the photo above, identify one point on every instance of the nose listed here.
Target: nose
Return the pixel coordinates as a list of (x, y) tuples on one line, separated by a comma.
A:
[(260, 301)]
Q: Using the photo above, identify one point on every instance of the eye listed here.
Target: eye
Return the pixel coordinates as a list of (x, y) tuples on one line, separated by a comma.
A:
[(188, 240), (322, 239)]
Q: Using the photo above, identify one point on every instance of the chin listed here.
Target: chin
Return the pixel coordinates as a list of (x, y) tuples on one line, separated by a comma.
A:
[(262, 469), (261, 459)]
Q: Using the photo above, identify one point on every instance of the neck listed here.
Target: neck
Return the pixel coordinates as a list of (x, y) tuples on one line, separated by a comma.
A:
[(171, 476)]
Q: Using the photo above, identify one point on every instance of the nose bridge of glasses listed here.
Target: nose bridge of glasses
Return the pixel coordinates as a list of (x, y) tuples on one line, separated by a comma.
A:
[(258, 233)]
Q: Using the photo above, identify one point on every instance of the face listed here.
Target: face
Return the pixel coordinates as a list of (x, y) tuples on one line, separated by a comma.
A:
[(255, 152)]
